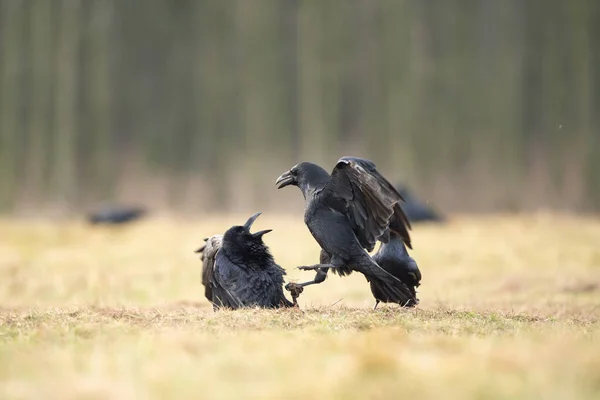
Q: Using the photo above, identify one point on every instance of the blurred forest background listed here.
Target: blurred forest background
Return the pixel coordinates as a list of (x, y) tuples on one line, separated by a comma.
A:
[(479, 105)]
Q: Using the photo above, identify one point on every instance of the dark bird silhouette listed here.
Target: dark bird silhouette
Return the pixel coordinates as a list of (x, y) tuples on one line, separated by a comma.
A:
[(394, 258), (239, 271), (114, 214), (347, 212), (416, 210)]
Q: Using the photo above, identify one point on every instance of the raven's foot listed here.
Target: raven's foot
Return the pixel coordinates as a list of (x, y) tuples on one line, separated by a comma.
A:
[(294, 288)]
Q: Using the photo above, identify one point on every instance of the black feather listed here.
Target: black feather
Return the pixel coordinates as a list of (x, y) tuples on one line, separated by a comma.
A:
[(394, 258)]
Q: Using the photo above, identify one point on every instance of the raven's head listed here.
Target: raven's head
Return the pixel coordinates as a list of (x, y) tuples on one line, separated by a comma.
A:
[(307, 176), (240, 244)]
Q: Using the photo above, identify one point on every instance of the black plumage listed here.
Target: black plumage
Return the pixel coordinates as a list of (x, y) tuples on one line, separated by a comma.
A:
[(394, 258), (347, 212), (239, 271)]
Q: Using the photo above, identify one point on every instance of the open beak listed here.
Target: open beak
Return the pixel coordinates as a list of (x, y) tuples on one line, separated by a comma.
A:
[(250, 221), (260, 233), (284, 180)]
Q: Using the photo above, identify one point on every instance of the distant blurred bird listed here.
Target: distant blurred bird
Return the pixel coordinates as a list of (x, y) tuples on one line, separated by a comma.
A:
[(238, 270), (416, 210), (115, 214), (394, 258), (347, 212)]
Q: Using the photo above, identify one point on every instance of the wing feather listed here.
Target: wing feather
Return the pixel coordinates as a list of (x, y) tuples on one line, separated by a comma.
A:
[(208, 253), (228, 280), (370, 201)]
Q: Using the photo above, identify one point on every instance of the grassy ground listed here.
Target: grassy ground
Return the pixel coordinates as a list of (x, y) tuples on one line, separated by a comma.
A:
[(509, 309)]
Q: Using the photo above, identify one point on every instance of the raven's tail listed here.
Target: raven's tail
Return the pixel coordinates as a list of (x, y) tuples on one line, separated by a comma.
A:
[(385, 286), (388, 292)]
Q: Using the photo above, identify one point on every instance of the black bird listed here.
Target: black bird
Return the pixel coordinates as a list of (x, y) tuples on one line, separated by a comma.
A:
[(394, 258), (239, 271), (416, 210), (115, 214), (347, 212)]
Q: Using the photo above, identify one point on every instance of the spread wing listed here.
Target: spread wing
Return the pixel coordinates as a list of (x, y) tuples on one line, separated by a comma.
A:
[(208, 254), (369, 201)]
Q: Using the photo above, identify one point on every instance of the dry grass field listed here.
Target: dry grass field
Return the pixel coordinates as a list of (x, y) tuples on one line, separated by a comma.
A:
[(509, 310)]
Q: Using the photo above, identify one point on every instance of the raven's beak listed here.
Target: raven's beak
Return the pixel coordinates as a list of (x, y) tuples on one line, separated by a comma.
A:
[(285, 179), (260, 233), (250, 221)]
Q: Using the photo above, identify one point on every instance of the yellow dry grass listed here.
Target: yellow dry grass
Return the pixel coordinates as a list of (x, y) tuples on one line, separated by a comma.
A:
[(509, 309)]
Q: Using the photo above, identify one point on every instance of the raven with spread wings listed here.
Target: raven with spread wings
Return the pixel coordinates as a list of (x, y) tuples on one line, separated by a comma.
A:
[(239, 271), (347, 212)]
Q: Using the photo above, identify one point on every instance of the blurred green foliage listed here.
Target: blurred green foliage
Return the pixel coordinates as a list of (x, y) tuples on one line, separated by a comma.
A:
[(478, 104)]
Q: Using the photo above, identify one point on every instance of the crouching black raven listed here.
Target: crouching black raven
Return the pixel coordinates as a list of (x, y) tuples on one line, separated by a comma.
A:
[(239, 271), (347, 212)]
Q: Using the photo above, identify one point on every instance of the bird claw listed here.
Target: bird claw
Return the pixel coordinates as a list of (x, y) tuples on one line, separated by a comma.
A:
[(294, 288)]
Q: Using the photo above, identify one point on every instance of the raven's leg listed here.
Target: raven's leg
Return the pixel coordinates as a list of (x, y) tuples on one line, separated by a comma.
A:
[(376, 304), (319, 278), (326, 262), (317, 267)]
